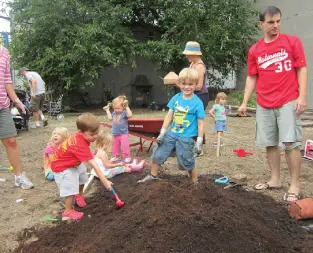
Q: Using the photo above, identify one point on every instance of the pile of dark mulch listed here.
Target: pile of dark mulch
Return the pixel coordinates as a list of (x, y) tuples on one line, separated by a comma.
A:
[(172, 215)]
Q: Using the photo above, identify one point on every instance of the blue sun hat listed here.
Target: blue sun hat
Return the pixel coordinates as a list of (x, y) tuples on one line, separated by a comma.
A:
[(192, 48)]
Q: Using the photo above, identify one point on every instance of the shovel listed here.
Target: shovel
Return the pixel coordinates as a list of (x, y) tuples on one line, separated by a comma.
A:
[(119, 203)]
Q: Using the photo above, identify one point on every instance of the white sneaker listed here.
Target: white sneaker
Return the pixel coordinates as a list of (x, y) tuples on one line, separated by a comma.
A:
[(148, 178), (35, 126), (23, 182), (115, 160)]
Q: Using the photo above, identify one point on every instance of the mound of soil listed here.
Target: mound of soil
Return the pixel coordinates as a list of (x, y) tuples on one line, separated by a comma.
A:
[(172, 215)]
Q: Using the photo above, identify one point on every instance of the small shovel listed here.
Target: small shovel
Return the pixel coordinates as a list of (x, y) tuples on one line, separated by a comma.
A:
[(119, 203)]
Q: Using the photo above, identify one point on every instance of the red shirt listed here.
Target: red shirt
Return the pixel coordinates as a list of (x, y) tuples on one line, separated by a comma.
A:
[(275, 65), (71, 153)]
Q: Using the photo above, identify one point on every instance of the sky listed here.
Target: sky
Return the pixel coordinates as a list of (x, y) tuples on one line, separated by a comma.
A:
[(4, 11), (4, 25)]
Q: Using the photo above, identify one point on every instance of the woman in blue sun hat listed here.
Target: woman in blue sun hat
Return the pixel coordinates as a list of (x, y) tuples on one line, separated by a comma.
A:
[(193, 54)]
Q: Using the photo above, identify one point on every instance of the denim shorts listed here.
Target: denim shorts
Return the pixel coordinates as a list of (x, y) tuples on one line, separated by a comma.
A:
[(278, 125), (220, 126), (184, 151), (70, 179)]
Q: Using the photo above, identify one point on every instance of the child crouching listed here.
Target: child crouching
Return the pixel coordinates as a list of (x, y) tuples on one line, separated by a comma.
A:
[(67, 164)]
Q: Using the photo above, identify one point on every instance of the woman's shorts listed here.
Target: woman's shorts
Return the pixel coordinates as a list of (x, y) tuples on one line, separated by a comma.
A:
[(7, 127)]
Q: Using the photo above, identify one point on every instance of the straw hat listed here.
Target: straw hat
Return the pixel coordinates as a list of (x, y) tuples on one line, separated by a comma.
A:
[(192, 48), (170, 78)]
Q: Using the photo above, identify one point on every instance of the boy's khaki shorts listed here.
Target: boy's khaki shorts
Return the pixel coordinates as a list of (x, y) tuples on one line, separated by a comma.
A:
[(279, 125), (70, 179), (36, 103), (7, 127)]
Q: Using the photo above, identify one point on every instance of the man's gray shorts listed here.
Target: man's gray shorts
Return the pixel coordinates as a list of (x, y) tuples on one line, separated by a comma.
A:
[(279, 125), (70, 179), (7, 127)]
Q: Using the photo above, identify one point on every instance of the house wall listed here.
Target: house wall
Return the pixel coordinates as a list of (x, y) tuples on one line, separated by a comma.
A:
[(119, 81), (297, 19)]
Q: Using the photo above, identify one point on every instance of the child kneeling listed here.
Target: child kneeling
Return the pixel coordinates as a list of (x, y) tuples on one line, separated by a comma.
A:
[(67, 164), (186, 120)]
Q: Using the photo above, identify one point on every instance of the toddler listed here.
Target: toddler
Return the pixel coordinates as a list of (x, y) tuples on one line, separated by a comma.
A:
[(109, 169), (219, 112), (59, 134), (119, 120)]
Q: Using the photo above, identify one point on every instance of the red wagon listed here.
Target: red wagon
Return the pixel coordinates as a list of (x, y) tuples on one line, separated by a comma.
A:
[(144, 129)]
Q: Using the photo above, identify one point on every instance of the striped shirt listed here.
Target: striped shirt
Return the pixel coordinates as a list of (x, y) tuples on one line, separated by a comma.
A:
[(5, 77)]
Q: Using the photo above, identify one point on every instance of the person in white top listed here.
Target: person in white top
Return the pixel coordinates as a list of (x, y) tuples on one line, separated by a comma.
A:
[(37, 92)]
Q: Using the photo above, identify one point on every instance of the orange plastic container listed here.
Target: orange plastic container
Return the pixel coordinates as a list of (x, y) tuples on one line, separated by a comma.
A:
[(301, 209), (145, 125)]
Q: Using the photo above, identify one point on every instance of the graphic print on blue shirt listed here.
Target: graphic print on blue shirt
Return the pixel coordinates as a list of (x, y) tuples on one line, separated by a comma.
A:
[(119, 123), (186, 115)]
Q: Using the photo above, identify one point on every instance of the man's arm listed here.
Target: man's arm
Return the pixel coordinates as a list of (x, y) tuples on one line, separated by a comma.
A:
[(301, 103), (33, 87), (250, 86)]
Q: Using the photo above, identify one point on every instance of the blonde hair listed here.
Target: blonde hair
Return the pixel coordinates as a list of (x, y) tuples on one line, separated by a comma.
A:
[(189, 73), (219, 96), (118, 100), (104, 140), (63, 131), (88, 122)]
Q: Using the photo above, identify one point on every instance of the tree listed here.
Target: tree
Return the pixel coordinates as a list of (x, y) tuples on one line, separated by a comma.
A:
[(70, 41)]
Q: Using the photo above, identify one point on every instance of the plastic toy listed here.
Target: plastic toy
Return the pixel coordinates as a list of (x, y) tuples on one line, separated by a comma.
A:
[(119, 203), (241, 152)]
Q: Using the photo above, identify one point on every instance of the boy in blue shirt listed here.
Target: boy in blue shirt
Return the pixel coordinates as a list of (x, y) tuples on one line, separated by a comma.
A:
[(185, 120)]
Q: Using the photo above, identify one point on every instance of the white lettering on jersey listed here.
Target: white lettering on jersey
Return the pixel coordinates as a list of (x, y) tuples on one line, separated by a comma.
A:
[(268, 60)]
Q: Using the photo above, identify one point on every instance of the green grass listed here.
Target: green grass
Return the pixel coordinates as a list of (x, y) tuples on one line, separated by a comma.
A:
[(235, 98)]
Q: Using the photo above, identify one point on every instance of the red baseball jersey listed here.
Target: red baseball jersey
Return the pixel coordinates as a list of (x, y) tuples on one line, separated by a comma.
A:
[(275, 65)]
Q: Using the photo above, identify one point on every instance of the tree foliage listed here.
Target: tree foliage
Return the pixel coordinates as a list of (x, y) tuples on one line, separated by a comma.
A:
[(70, 41)]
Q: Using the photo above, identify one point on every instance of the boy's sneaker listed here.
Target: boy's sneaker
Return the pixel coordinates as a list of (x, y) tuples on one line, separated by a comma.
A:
[(148, 178), (138, 167), (80, 200), (72, 215), (23, 182), (128, 160), (197, 155), (45, 122)]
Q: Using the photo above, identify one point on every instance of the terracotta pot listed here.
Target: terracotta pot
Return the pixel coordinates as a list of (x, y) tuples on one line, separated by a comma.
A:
[(301, 209)]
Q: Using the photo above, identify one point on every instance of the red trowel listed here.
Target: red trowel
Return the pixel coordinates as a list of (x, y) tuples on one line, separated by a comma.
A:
[(119, 203), (241, 152)]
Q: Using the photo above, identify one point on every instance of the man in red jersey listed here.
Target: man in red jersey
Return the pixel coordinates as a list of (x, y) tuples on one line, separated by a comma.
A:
[(277, 69)]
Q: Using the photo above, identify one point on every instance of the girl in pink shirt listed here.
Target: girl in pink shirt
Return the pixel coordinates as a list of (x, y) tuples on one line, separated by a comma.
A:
[(59, 135)]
